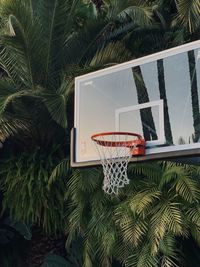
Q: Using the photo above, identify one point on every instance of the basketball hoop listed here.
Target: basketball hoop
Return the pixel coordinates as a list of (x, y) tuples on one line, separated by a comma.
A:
[(115, 150)]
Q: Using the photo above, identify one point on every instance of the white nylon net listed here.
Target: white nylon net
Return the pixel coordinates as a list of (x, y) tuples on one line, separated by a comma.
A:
[(115, 161)]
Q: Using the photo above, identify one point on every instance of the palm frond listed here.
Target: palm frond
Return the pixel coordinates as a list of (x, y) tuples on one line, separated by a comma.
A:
[(11, 125), (88, 255), (188, 188), (58, 26), (8, 92), (29, 175), (129, 10), (140, 15), (8, 63), (193, 214), (16, 8), (60, 171), (142, 258), (167, 218), (143, 201), (82, 44), (17, 50), (75, 221), (57, 101), (113, 53), (56, 105), (133, 228), (52, 15), (102, 234), (152, 171), (171, 173), (169, 251), (10, 121), (178, 37), (90, 179), (197, 171), (195, 232), (168, 262), (188, 14)]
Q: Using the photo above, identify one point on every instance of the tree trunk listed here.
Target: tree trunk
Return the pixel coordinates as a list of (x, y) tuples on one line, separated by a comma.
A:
[(162, 90), (148, 125), (194, 95)]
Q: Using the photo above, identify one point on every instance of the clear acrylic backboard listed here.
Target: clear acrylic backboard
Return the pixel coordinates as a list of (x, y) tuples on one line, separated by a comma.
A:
[(156, 96)]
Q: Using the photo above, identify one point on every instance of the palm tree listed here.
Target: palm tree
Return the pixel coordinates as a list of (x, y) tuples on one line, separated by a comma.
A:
[(144, 224), (188, 14), (37, 53), (44, 44)]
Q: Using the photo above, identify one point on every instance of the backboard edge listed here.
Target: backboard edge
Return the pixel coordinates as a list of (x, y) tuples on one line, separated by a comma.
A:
[(170, 155)]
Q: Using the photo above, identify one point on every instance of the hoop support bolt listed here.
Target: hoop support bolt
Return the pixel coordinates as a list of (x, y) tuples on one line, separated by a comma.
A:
[(139, 148)]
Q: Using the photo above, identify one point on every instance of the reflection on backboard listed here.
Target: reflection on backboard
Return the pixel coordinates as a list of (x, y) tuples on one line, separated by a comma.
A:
[(156, 96)]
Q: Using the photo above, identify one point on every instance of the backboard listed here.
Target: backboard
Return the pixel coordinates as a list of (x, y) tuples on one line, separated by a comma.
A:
[(156, 96)]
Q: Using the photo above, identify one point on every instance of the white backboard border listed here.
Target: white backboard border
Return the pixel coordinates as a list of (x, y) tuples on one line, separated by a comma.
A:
[(188, 150)]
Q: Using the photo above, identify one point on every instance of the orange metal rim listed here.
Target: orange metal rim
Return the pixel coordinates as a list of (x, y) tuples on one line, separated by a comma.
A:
[(129, 143)]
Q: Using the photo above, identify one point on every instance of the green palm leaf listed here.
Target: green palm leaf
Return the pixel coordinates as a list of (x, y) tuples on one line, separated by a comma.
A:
[(188, 188), (169, 250), (153, 170), (111, 54), (88, 255), (143, 201), (89, 180), (11, 125), (60, 171), (133, 228), (8, 92), (126, 10), (193, 214), (195, 232), (21, 53), (57, 20), (56, 102), (56, 105), (11, 122), (140, 15), (188, 14), (51, 15), (171, 172), (142, 258), (20, 174), (167, 217)]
